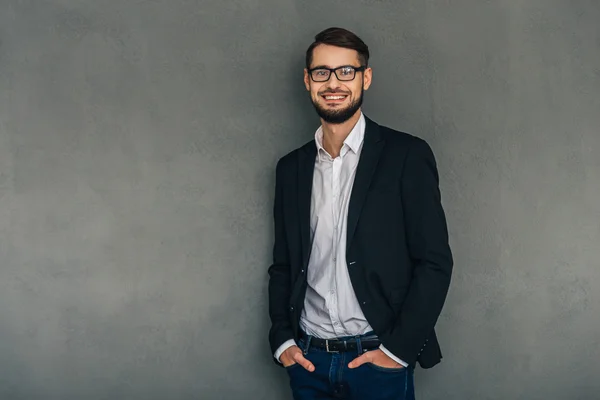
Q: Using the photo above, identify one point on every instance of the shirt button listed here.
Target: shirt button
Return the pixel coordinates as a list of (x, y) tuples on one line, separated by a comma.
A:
[(334, 259)]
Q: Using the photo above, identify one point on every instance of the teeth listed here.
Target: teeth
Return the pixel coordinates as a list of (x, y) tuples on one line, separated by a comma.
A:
[(334, 97)]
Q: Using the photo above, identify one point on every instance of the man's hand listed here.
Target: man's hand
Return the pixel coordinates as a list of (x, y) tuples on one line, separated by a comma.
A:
[(376, 357), (293, 355)]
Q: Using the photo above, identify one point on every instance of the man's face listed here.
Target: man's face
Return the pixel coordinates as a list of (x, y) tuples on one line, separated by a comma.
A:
[(337, 100)]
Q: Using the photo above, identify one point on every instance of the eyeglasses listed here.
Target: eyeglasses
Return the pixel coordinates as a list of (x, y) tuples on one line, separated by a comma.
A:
[(343, 73)]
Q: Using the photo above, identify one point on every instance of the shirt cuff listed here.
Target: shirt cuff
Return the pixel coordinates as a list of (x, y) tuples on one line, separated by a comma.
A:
[(393, 357), (286, 345)]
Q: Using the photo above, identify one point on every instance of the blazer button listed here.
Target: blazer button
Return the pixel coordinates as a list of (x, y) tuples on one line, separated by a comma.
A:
[(301, 271), (292, 308)]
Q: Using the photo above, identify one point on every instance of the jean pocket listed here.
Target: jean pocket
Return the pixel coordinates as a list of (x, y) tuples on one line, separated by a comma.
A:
[(293, 367), (386, 369)]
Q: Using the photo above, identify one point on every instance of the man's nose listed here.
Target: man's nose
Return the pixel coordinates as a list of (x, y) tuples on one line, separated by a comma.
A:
[(333, 83)]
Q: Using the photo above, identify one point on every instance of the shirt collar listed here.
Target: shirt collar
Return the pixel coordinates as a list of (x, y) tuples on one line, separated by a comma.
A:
[(353, 141)]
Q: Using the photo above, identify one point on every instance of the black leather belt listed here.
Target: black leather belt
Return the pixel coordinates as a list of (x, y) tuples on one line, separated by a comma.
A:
[(337, 346)]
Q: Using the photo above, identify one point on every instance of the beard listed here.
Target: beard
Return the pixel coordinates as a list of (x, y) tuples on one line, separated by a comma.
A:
[(339, 116)]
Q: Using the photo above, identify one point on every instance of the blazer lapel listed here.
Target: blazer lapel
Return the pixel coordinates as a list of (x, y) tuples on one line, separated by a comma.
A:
[(369, 157), (306, 167)]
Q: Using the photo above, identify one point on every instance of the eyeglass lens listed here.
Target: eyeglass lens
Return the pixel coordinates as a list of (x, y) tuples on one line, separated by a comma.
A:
[(342, 73)]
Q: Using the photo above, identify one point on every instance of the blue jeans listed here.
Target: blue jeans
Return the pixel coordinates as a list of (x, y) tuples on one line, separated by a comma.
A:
[(332, 379)]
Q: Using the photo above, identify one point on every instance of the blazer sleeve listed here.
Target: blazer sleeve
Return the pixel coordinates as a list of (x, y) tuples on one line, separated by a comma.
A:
[(279, 271), (429, 251)]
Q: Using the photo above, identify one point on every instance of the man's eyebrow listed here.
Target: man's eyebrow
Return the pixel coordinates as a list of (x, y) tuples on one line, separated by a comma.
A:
[(327, 66)]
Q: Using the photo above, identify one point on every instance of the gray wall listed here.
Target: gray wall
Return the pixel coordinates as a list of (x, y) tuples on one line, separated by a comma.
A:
[(137, 148)]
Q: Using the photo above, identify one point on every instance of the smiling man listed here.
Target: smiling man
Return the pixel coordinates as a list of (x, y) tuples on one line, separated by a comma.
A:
[(361, 261)]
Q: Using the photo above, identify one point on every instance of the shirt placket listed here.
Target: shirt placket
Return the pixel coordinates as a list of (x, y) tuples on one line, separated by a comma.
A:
[(335, 210)]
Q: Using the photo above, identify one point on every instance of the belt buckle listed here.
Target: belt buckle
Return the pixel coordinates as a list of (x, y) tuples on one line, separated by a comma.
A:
[(327, 347)]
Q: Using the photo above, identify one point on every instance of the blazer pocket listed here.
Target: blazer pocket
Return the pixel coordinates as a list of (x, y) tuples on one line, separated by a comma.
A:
[(385, 186), (387, 190)]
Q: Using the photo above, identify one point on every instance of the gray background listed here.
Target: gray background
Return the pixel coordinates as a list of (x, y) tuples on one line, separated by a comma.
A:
[(138, 141)]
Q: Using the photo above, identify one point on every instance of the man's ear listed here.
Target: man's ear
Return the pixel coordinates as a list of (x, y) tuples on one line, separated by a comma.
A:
[(368, 76), (306, 80)]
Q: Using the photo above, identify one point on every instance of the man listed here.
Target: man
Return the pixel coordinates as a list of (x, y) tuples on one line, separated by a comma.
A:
[(361, 261)]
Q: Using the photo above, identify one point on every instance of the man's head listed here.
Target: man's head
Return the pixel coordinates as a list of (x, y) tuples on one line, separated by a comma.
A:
[(337, 95)]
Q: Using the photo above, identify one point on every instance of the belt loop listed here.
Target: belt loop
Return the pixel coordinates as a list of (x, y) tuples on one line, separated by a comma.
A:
[(307, 344), (359, 345)]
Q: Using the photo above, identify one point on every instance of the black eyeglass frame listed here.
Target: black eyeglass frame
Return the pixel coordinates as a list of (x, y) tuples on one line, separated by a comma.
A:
[(334, 70)]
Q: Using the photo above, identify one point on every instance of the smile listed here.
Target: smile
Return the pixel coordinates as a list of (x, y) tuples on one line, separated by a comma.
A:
[(335, 97)]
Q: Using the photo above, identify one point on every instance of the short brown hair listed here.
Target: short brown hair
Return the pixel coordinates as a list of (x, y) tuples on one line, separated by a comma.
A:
[(341, 38)]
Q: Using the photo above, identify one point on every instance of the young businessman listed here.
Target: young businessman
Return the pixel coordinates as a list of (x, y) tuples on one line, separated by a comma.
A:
[(361, 261)]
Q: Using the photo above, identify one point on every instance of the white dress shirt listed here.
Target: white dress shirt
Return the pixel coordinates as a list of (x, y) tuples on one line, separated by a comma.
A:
[(330, 306)]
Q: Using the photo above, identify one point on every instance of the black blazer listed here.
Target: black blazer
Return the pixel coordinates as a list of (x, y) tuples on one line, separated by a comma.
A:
[(398, 256)]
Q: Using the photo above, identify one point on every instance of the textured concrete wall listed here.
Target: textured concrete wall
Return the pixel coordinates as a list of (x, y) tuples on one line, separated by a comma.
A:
[(137, 148)]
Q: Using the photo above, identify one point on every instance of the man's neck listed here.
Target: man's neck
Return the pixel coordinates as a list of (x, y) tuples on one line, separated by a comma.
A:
[(335, 134)]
